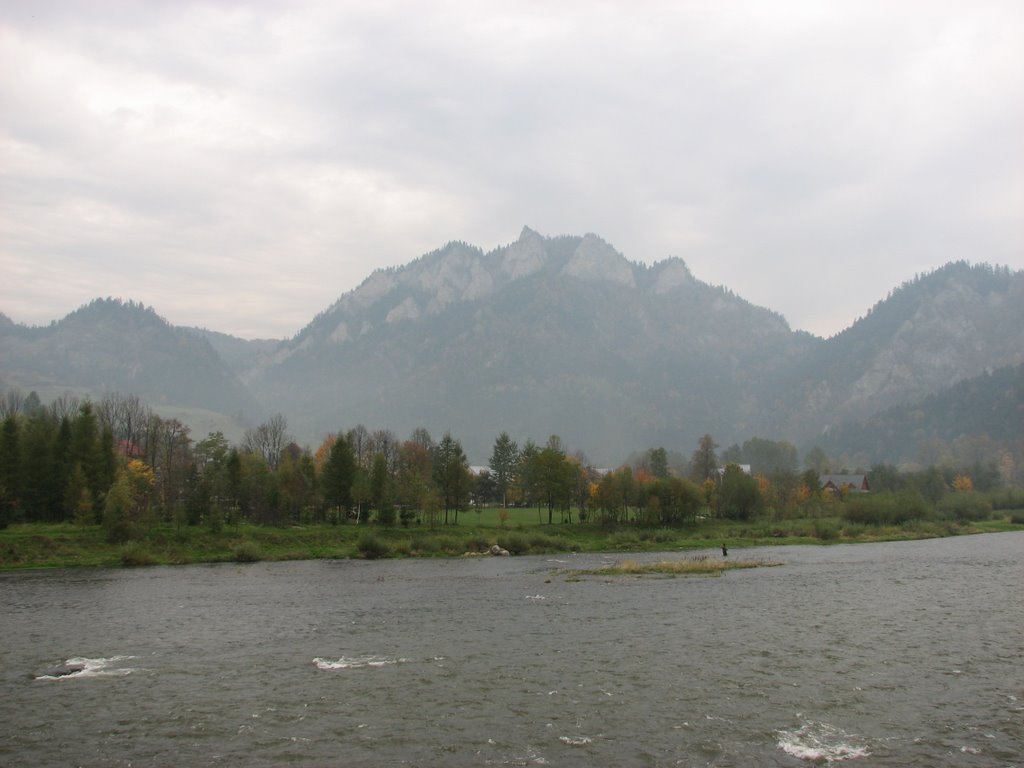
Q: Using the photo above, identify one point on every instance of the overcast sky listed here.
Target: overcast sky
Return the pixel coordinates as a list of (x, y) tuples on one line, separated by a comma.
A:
[(239, 166)]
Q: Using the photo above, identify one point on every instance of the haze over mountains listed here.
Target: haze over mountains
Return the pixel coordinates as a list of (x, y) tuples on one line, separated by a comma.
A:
[(557, 335)]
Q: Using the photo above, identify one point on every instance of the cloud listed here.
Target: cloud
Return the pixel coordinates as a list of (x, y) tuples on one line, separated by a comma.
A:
[(241, 165)]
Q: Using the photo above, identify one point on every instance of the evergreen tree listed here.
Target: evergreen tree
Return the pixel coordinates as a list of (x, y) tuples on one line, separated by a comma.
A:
[(339, 475), (10, 471), (504, 459)]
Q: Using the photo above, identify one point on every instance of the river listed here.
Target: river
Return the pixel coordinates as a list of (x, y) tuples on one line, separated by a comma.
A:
[(896, 654)]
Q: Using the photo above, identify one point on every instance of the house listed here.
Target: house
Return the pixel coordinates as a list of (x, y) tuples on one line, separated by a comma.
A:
[(837, 484)]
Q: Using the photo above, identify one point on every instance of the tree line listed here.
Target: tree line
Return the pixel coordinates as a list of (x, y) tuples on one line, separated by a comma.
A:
[(117, 463)]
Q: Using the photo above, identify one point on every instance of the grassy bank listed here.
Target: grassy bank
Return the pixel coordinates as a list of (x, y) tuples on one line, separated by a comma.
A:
[(58, 546)]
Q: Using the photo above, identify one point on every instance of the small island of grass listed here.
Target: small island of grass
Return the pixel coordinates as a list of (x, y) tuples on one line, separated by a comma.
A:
[(700, 565)]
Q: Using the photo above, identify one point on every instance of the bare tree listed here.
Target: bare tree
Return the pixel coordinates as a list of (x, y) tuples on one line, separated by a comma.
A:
[(12, 403), (385, 442), (126, 416), (268, 440), (66, 405), (362, 445)]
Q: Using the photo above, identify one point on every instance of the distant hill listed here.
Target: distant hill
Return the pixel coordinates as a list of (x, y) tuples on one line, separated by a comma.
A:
[(551, 335), (110, 345), (927, 335), (961, 423)]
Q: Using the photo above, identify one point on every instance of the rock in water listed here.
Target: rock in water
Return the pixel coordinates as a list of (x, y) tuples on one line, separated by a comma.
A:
[(64, 670)]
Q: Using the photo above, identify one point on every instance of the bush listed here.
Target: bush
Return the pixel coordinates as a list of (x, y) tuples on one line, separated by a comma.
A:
[(215, 519), (435, 543), (247, 552), (372, 547), (133, 553), (624, 540), (885, 508), (658, 536), (1008, 498), (541, 542), (515, 543), (1017, 519), (826, 530), (477, 543), (403, 548), (965, 506)]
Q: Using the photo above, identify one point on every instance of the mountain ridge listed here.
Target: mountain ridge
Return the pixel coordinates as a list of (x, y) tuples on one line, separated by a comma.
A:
[(565, 335)]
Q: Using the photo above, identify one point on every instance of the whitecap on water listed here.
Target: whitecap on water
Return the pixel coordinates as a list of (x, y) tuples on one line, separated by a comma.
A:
[(821, 742), (79, 666), (576, 741), (358, 662)]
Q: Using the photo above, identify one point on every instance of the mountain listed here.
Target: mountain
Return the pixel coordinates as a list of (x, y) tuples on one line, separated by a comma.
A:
[(967, 419), (927, 335), (546, 335), (113, 346), (550, 335)]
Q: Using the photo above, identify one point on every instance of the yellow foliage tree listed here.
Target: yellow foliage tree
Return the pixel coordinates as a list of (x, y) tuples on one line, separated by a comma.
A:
[(963, 483)]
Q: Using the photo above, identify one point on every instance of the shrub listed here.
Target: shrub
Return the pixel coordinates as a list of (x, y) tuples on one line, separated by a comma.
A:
[(476, 543), (826, 530), (133, 553), (515, 543), (624, 539), (965, 506), (403, 548), (372, 547), (658, 536), (1017, 518), (434, 543), (885, 508), (246, 552), (1008, 498), (215, 519)]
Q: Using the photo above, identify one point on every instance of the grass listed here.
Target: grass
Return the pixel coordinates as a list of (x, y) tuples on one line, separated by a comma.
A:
[(67, 545)]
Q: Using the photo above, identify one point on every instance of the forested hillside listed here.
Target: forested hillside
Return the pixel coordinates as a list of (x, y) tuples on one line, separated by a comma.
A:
[(971, 422), (111, 345)]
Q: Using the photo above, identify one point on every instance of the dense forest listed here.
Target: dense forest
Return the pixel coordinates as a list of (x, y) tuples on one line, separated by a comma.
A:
[(116, 463)]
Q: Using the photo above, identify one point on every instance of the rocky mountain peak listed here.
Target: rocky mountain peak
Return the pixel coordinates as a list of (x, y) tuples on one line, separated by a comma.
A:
[(525, 256), (594, 259), (671, 275)]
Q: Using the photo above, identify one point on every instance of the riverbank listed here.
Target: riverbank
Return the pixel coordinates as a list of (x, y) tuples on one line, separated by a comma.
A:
[(67, 545)]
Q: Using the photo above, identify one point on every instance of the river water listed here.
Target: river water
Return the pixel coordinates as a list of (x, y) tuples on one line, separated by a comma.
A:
[(898, 654)]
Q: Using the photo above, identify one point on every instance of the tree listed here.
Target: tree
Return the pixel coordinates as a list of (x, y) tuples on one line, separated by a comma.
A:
[(554, 476), (526, 474), (451, 475), (361, 442), (504, 459), (658, 462), (379, 492), (85, 449), (817, 460), (126, 507), (338, 476), (415, 479), (10, 469), (739, 497), (704, 462), (268, 440)]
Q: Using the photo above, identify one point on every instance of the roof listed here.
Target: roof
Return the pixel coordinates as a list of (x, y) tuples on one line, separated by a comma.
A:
[(839, 481)]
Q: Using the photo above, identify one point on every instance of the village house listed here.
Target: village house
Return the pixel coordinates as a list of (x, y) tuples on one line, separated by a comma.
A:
[(837, 484)]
